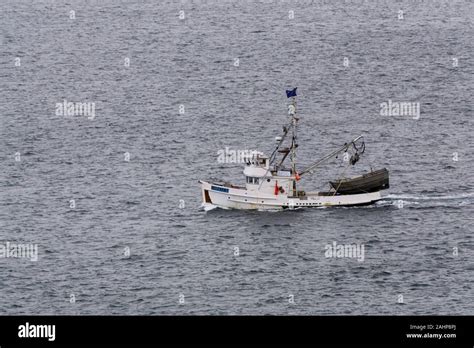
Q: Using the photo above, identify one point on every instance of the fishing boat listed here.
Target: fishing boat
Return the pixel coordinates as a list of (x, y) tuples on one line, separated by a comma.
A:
[(272, 184)]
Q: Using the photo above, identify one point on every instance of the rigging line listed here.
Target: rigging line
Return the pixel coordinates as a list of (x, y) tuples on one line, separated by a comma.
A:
[(340, 180), (329, 156), (273, 155), (285, 133)]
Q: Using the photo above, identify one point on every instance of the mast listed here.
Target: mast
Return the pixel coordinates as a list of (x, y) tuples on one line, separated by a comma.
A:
[(293, 137), (292, 149), (294, 122)]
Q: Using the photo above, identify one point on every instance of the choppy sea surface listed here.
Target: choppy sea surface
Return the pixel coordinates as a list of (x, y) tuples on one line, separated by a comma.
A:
[(126, 235)]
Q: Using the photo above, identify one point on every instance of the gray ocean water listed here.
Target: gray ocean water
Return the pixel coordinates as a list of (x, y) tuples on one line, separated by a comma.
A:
[(214, 76)]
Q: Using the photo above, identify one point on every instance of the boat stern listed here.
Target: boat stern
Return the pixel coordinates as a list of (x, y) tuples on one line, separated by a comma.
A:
[(205, 188)]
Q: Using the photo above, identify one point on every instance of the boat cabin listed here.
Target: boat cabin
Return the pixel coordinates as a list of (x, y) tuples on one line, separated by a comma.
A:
[(260, 177)]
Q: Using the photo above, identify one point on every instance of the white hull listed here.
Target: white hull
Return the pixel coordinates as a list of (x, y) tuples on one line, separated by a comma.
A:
[(228, 197)]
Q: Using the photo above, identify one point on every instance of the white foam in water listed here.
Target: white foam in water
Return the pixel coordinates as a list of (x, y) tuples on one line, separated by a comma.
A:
[(208, 207), (395, 202), (427, 198)]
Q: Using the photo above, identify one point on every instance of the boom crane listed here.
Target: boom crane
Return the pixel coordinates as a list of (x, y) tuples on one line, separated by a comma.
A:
[(332, 154)]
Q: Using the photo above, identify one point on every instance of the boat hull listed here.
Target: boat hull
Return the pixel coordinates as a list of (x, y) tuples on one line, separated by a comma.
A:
[(371, 182), (228, 197)]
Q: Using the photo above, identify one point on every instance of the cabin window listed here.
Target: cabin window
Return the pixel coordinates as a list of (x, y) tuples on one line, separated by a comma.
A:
[(252, 180)]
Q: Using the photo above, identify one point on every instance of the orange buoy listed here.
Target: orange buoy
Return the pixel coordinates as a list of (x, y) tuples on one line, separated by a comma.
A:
[(297, 177)]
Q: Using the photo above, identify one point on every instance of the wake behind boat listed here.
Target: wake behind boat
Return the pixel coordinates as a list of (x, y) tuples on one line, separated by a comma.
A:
[(271, 185)]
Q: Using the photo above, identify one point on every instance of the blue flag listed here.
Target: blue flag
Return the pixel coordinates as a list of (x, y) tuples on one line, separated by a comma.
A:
[(291, 93)]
